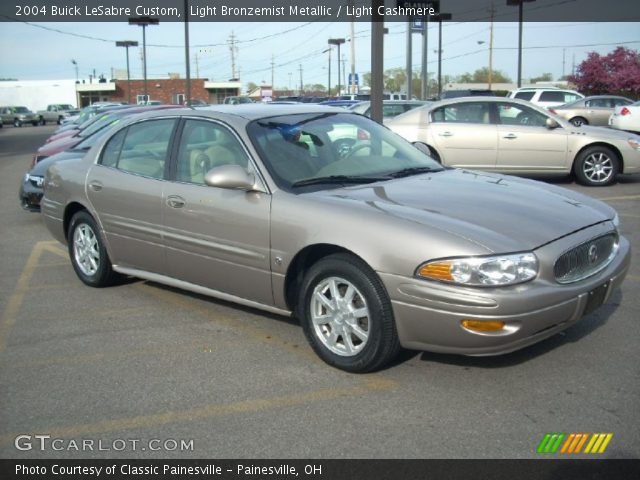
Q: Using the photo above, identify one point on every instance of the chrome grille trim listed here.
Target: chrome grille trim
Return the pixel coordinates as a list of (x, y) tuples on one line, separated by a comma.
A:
[(575, 264)]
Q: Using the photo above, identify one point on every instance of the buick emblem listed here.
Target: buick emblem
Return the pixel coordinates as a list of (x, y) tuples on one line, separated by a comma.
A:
[(593, 253)]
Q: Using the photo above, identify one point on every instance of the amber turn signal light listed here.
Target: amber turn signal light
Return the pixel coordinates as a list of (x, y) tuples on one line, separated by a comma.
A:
[(483, 325)]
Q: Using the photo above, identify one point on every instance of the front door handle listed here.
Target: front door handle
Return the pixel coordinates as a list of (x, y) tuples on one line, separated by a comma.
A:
[(95, 186), (446, 134), (175, 201), (511, 136)]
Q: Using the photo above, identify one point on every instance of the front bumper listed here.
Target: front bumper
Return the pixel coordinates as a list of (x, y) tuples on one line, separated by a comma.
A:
[(30, 196), (429, 314)]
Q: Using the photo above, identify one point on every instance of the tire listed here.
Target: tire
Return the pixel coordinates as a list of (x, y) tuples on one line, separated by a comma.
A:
[(17, 123), (35, 123), (356, 333), (579, 121), (87, 252), (42, 121), (59, 120), (596, 166)]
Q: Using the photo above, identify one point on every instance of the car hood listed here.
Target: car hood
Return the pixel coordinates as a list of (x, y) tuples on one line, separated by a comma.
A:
[(598, 133), (42, 166), (500, 213), (59, 145)]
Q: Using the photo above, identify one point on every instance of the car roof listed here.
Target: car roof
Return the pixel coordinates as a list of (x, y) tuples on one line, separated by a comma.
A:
[(254, 111)]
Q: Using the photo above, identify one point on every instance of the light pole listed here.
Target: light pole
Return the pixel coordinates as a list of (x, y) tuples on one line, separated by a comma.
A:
[(329, 75), (338, 42), (75, 64), (519, 4), (440, 17), (126, 44), (143, 22)]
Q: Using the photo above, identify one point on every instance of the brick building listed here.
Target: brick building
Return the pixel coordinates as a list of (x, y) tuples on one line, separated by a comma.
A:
[(165, 90)]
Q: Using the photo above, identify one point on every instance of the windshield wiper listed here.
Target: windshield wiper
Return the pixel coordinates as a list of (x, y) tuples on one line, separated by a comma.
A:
[(406, 172), (336, 179)]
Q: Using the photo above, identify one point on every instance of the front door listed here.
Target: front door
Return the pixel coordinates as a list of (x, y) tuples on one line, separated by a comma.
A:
[(216, 237)]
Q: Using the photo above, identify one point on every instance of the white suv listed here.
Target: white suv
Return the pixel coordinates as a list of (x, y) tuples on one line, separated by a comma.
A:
[(546, 96)]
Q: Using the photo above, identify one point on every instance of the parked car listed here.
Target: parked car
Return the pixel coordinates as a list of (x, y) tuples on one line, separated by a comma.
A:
[(545, 96), (626, 118), (467, 92), (594, 110), (390, 108), (375, 250), (17, 116), (56, 113), (516, 137), (101, 122), (236, 100)]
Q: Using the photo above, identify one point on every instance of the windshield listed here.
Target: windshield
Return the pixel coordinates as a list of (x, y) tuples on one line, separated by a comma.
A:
[(327, 150), (97, 124)]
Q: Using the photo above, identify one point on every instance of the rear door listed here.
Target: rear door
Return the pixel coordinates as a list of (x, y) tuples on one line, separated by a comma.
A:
[(126, 187), (464, 135)]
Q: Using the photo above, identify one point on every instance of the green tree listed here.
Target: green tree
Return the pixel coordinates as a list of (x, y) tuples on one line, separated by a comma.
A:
[(545, 77)]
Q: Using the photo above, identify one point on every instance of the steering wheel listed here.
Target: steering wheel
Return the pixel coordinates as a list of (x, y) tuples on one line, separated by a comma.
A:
[(356, 148), (523, 119), (343, 146)]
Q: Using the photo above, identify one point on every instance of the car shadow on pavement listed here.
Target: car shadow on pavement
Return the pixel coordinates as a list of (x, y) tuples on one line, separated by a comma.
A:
[(582, 328)]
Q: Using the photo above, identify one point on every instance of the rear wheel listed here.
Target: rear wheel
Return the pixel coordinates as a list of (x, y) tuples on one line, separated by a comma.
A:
[(346, 314), (17, 123), (87, 252), (597, 166), (579, 121)]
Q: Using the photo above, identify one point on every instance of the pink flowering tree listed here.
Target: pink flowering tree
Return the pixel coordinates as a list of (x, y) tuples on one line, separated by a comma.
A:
[(618, 72)]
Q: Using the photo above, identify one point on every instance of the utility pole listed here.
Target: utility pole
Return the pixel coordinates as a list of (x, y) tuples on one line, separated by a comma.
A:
[(377, 64), (563, 52), (492, 11), (353, 55), (234, 51), (409, 70), (300, 69), (197, 65), (424, 93), (344, 71), (272, 75)]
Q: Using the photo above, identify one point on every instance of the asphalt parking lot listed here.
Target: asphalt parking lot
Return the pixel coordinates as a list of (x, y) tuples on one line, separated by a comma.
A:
[(143, 370)]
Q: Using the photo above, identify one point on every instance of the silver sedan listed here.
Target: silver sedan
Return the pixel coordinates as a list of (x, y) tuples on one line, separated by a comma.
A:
[(329, 216)]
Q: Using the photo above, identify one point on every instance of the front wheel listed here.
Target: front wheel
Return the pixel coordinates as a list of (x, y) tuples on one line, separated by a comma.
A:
[(346, 315), (579, 121), (597, 166), (87, 252)]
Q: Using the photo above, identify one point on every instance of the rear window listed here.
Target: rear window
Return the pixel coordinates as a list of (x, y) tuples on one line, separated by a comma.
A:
[(524, 95)]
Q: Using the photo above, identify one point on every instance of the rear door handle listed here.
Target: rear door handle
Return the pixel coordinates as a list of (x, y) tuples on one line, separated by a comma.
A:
[(511, 136), (446, 134), (175, 201), (95, 186)]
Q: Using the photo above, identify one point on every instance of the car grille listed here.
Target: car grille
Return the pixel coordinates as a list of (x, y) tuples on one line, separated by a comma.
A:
[(586, 259)]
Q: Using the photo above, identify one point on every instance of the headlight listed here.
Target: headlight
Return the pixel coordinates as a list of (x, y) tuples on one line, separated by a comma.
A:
[(497, 270), (37, 179)]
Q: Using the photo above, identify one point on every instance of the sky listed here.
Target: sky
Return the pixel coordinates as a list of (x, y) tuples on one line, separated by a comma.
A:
[(32, 51)]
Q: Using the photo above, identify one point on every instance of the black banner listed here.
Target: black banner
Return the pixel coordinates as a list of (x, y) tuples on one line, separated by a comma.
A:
[(323, 469), (316, 10)]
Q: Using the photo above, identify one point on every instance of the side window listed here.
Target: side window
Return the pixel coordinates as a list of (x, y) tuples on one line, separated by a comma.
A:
[(555, 96), (145, 148), (524, 95), (618, 102), (203, 146), (512, 114), (111, 151), (599, 103), (476, 112)]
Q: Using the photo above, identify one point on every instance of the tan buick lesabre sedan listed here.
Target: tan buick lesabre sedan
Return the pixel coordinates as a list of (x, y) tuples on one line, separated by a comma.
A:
[(516, 137), (327, 215)]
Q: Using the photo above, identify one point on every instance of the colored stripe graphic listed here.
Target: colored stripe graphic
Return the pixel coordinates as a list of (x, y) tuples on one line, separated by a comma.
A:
[(598, 443), (572, 443), (551, 442)]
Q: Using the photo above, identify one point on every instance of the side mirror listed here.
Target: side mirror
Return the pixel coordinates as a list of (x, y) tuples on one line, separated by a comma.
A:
[(423, 148), (230, 176), (551, 124)]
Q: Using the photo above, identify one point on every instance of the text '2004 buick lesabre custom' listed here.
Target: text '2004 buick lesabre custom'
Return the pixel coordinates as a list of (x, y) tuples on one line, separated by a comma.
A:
[(327, 215)]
